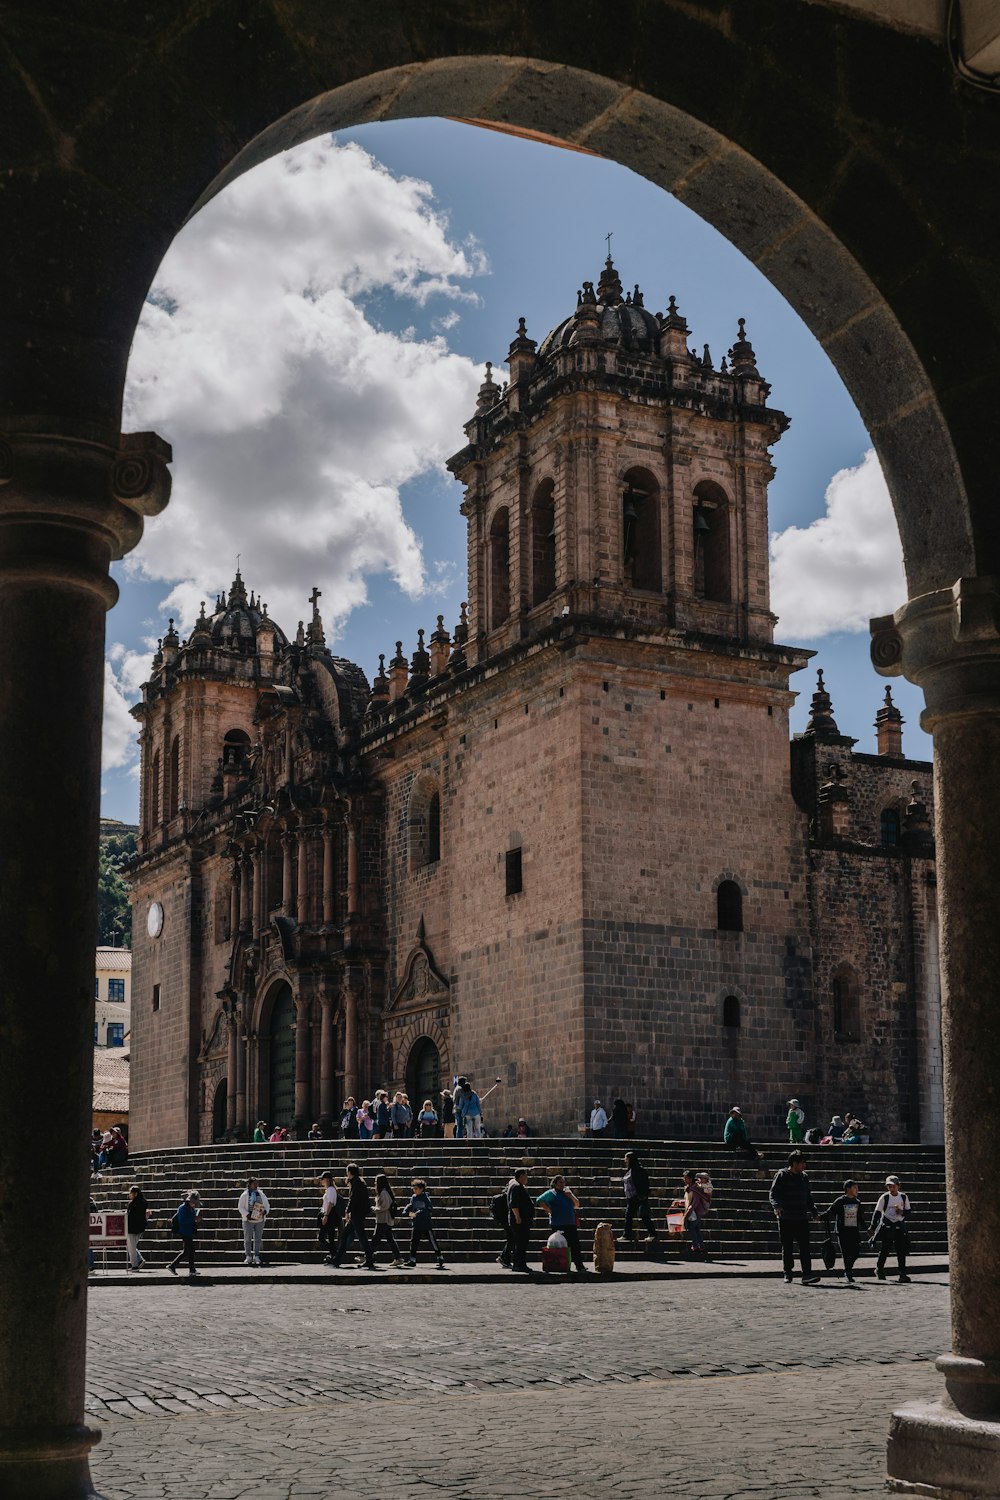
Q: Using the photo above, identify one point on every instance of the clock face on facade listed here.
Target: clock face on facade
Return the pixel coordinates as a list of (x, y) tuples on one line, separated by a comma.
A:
[(154, 921)]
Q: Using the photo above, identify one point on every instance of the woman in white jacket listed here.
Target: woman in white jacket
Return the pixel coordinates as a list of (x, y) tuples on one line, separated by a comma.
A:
[(254, 1209)]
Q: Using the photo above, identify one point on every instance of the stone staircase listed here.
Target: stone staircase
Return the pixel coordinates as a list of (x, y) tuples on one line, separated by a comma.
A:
[(463, 1176)]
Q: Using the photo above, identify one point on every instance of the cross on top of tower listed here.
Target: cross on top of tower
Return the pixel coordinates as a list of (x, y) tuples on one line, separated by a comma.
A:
[(315, 596)]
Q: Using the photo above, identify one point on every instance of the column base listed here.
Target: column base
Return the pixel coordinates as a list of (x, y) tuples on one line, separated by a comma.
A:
[(47, 1463), (936, 1451)]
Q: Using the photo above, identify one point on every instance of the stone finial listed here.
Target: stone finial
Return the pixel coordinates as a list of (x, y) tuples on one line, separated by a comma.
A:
[(674, 319), (237, 591), (821, 723), (741, 355), (609, 288), (440, 648), (380, 686), (706, 359), (637, 297), (889, 728), (420, 662), (399, 674), (300, 634), (458, 662), (489, 391), (918, 835)]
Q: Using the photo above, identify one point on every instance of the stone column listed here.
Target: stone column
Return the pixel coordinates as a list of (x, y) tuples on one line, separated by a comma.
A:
[(286, 874), (241, 1076), (302, 894), (232, 1063), (327, 1076), (234, 900), (257, 865), (353, 904), (246, 869), (949, 643), (70, 502), (351, 1081), (303, 1059), (329, 894)]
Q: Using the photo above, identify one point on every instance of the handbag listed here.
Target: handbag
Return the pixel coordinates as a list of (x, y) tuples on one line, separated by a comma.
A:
[(828, 1252), (675, 1221)]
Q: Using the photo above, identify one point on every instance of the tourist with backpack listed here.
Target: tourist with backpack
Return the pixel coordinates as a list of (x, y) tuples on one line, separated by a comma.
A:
[(562, 1207), (521, 1212), (385, 1219), (419, 1211), (358, 1209), (185, 1224), (888, 1228)]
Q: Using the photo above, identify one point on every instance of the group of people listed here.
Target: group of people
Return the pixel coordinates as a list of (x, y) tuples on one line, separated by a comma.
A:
[(459, 1116), (841, 1131), (108, 1148), (620, 1123), (792, 1201)]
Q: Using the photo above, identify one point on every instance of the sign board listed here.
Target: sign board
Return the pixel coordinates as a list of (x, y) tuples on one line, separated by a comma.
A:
[(106, 1230)]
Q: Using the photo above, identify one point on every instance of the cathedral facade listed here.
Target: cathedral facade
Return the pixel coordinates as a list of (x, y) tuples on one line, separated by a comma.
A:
[(569, 844)]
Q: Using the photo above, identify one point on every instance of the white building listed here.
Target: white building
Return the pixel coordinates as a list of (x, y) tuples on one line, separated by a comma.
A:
[(112, 997)]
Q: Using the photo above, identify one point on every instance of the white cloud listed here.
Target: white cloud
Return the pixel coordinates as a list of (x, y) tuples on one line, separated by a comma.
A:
[(124, 674), (846, 566), (295, 418)]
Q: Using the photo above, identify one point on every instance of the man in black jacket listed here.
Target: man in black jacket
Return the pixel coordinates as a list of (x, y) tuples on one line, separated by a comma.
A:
[(358, 1208), (791, 1199), (522, 1211)]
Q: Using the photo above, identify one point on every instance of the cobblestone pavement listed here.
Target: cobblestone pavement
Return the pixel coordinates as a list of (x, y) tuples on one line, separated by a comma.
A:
[(720, 1391)]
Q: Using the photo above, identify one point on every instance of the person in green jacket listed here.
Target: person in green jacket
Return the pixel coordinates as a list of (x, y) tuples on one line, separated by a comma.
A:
[(795, 1120), (260, 1134), (736, 1133)]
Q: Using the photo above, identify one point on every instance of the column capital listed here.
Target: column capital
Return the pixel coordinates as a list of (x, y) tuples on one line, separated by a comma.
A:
[(72, 500), (948, 643)]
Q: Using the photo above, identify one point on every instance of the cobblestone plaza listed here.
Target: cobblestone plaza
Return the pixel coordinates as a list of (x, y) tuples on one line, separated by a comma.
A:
[(718, 1389)]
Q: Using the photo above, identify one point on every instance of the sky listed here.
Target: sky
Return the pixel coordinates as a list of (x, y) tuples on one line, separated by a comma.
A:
[(312, 345)]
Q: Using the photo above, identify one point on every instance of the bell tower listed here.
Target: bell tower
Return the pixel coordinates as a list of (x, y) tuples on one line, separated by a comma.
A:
[(619, 475)]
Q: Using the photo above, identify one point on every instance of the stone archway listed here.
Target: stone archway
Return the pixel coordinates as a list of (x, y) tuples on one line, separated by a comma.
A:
[(859, 199)]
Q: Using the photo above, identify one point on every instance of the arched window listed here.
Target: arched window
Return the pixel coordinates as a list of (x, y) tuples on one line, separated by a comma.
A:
[(640, 521), (543, 542), (730, 907), (499, 568), (731, 1011), (434, 829), (154, 792), (174, 800), (711, 542), (424, 822), (889, 829), (235, 749), (846, 1004)]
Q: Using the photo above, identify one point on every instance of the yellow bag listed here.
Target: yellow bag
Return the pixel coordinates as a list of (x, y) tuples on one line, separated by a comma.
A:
[(604, 1249)]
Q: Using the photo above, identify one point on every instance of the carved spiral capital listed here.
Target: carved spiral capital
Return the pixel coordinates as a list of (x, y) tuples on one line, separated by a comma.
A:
[(948, 643), (140, 478)]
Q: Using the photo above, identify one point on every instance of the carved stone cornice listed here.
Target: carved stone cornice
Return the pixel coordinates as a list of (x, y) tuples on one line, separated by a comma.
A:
[(73, 500), (948, 643)]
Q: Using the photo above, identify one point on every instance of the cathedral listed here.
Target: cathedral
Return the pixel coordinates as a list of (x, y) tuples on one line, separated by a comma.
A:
[(568, 844)]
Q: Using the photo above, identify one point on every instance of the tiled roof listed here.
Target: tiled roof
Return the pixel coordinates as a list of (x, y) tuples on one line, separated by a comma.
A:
[(111, 1076), (114, 960), (112, 1100)]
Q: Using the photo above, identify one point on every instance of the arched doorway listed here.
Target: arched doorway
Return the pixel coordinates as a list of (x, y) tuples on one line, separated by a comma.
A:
[(281, 1058), (423, 1073), (220, 1106)]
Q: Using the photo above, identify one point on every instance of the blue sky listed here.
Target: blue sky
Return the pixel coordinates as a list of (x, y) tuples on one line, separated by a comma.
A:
[(318, 342)]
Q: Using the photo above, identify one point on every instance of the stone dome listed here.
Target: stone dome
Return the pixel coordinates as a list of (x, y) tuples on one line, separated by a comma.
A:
[(237, 619), (606, 315)]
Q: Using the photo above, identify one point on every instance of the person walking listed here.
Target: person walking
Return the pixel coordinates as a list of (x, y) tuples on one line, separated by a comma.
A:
[(598, 1119), (458, 1098), (696, 1203), (635, 1185), (795, 1119), (185, 1224), (619, 1119), (847, 1211), (562, 1207), (522, 1213), (385, 1219), (260, 1133), (791, 1199), (358, 1209), (888, 1228), (400, 1116), (253, 1210), (136, 1219), (331, 1211), (419, 1210)]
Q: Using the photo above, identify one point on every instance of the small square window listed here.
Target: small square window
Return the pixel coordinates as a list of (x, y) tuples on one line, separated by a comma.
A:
[(513, 872), (156, 997)]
